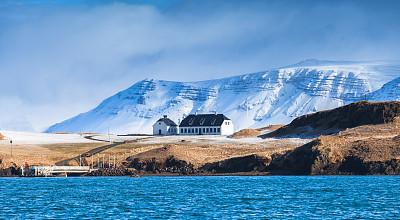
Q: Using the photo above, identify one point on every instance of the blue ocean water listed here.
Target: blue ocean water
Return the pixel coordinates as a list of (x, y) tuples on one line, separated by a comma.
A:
[(227, 197)]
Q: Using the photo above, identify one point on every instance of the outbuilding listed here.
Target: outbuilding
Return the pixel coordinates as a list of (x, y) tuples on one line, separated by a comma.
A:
[(165, 126), (207, 124)]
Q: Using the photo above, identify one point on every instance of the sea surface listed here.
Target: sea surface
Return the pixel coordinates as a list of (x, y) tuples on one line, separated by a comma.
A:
[(226, 197)]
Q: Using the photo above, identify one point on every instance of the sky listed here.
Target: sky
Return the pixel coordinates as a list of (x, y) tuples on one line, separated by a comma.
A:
[(59, 58)]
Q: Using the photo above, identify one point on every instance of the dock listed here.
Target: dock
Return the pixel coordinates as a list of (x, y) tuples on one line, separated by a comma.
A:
[(54, 170)]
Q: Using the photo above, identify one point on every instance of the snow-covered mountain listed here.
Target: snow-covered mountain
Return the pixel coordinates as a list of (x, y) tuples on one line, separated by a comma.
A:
[(275, 96)]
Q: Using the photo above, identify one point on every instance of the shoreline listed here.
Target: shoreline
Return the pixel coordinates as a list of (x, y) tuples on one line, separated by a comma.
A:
[(168, 174)]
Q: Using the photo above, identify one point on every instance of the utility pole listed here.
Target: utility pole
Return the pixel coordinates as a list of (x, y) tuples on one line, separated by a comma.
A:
[(11, 146), (109, 138)]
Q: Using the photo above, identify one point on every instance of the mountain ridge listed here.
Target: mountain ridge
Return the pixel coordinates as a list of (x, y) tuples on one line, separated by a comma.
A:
[(274, 96)]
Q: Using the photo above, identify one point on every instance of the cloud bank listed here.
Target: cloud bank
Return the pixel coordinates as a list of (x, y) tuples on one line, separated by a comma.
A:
[(61, 58)]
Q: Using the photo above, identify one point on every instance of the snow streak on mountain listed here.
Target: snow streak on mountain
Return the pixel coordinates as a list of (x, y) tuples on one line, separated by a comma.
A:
[(275, 96)]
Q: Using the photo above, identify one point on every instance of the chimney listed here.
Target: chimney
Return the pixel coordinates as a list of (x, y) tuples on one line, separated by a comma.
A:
[(165, 116)]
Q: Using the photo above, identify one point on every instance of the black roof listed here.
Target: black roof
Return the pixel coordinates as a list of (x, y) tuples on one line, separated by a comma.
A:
[(201, 120), (167, 121)]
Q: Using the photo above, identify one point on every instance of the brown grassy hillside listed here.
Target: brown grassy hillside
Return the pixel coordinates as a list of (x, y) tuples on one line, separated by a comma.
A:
[(369, 149), (338, 119), (199, 155)]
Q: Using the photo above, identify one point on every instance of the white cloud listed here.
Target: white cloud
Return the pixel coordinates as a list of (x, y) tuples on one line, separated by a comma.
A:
[(59, 60)]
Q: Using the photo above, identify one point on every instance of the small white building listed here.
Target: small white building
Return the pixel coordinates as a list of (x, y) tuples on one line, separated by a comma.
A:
[(207, 124), (165, 126)]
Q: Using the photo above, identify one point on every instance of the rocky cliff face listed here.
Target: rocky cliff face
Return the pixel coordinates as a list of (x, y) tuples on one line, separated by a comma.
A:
[(272, 97)]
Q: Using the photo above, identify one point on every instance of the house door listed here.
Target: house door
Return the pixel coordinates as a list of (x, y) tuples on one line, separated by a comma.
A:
[(159, 132)]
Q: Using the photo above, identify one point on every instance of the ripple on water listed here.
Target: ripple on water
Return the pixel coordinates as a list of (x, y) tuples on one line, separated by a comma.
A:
[(329, 197)]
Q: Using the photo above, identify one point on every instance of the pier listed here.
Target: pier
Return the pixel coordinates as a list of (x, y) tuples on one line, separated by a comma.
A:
[(54, 170)]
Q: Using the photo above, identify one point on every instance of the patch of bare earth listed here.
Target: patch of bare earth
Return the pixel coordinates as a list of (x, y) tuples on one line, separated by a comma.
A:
[(248, 132)]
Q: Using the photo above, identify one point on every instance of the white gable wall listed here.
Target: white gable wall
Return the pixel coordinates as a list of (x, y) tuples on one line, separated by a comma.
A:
[(160, 126), (227, 127), (165, 129)]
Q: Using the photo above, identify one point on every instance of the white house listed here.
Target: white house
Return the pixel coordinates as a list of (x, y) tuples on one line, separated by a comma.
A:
[(165, 126), (209, 124)]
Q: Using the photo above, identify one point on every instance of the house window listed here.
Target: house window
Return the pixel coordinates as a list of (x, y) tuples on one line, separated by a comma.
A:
[(228, 122), (204, 130), (196, 130), (185, 130), (159, 123), (181, 130), (215, 130), (207, 130), (192, 130)]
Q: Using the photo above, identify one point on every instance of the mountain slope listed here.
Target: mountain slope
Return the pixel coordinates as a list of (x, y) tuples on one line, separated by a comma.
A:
[(276, 96)]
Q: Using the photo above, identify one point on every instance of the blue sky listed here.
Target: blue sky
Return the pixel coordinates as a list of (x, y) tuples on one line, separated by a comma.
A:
[(60, 58)]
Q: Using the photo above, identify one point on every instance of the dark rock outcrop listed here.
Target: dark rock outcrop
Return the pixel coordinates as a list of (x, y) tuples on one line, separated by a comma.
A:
[(112, 172), (251, 163), (11, 171), (171, 165)]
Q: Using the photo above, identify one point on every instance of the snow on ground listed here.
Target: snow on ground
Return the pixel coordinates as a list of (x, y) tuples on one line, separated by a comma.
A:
[(215, 139), (28, 138), (118, 138)]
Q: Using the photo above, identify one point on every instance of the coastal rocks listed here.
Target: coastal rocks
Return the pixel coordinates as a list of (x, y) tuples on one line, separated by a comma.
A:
[(251, 163), (355, 165), (112, 172), (171, 165), (11, 171)]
